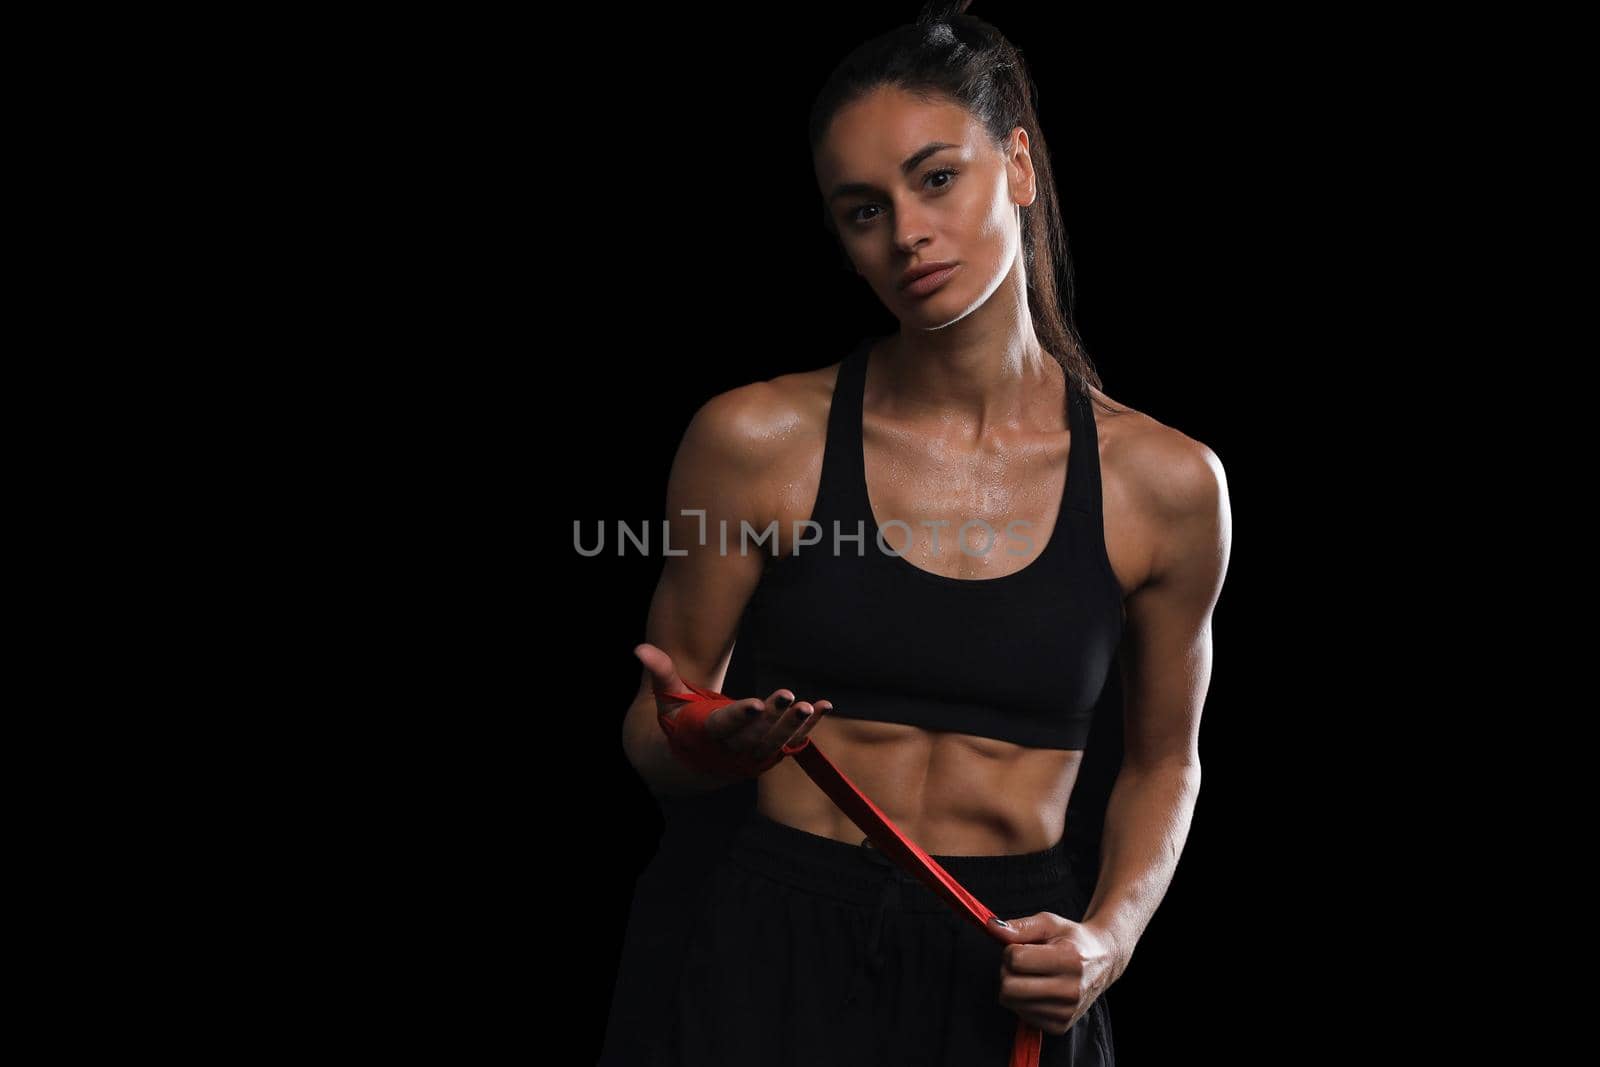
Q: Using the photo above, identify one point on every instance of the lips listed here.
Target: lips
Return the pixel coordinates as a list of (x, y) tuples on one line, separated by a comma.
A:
[(930, 283), (923, 269)]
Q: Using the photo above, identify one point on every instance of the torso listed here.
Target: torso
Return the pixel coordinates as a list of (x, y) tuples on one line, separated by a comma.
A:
[(952, 793)]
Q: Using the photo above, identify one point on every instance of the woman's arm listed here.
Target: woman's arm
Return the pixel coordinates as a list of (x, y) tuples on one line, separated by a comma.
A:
[(1166, 669), (722, 467)]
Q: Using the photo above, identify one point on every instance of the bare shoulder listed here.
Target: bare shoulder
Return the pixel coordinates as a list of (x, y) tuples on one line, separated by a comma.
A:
[(757, 424), (1165, 466), (763, 443), (1164, 491)]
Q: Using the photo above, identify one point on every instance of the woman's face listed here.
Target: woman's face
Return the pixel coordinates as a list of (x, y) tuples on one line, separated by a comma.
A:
[(900, 201)]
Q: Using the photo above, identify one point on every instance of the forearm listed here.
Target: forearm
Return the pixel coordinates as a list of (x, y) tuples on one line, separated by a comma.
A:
[(645, 744), (1147, 822)]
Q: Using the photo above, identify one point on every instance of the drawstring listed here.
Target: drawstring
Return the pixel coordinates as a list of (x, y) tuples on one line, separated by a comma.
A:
[(874, 956), (905, 855)]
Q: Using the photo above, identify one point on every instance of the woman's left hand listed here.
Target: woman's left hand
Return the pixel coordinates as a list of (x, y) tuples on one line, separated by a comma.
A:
[(1053, 969)]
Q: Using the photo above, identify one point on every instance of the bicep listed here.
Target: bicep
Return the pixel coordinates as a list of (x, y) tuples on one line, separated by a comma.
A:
[(694, 614), (717, 482), (1167, 648)]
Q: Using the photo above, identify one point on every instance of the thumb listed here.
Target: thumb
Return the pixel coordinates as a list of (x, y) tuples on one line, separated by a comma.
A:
[(662, 673), (1021, 930)]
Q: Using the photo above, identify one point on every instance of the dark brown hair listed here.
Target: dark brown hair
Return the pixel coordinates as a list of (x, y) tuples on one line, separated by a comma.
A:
[(951, 55)]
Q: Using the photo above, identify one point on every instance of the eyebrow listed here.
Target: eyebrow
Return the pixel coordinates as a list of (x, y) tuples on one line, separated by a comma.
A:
[(910, 164)]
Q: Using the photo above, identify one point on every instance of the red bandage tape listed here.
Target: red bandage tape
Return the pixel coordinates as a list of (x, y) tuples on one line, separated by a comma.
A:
[(687, 738)]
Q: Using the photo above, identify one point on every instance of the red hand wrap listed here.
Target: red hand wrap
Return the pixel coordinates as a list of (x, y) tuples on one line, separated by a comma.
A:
[(687, 737)]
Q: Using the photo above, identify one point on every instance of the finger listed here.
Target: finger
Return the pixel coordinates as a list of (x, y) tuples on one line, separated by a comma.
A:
[(1034, 929), (822, 708), (735, 724), (1041, 991), (747, 728), (1035, 959), (777, 705), (798, 713)]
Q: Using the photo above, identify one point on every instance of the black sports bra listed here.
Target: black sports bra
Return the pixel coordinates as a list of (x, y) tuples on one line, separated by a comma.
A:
[(1020, 658)]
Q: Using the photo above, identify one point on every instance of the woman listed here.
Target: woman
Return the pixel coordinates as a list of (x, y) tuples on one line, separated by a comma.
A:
[(963, 532)]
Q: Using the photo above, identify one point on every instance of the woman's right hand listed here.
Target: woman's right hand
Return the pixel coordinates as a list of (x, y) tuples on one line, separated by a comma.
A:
[(753, 728)]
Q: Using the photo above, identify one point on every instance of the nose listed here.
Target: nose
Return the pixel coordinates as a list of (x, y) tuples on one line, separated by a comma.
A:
[(913, 236), (909, 229)]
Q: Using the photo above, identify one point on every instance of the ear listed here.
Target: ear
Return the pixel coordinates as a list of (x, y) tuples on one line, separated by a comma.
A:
[(1019, 162)]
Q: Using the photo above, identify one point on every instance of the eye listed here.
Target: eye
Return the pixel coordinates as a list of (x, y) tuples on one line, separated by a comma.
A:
[(950, 172)]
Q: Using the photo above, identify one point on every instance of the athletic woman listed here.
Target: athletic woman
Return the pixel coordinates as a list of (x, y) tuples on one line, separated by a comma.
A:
[(965, 533)]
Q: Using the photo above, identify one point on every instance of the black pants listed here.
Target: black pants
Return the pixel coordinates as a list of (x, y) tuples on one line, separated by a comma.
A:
[(812, 952)]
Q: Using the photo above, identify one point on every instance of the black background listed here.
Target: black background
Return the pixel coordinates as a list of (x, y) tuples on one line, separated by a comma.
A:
[(634, 230), (1193, 203)]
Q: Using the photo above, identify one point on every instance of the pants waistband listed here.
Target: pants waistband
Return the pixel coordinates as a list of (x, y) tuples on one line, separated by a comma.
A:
[(857, 873)]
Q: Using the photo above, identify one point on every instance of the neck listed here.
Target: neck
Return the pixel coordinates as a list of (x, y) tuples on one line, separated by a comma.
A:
[(973, 375)]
